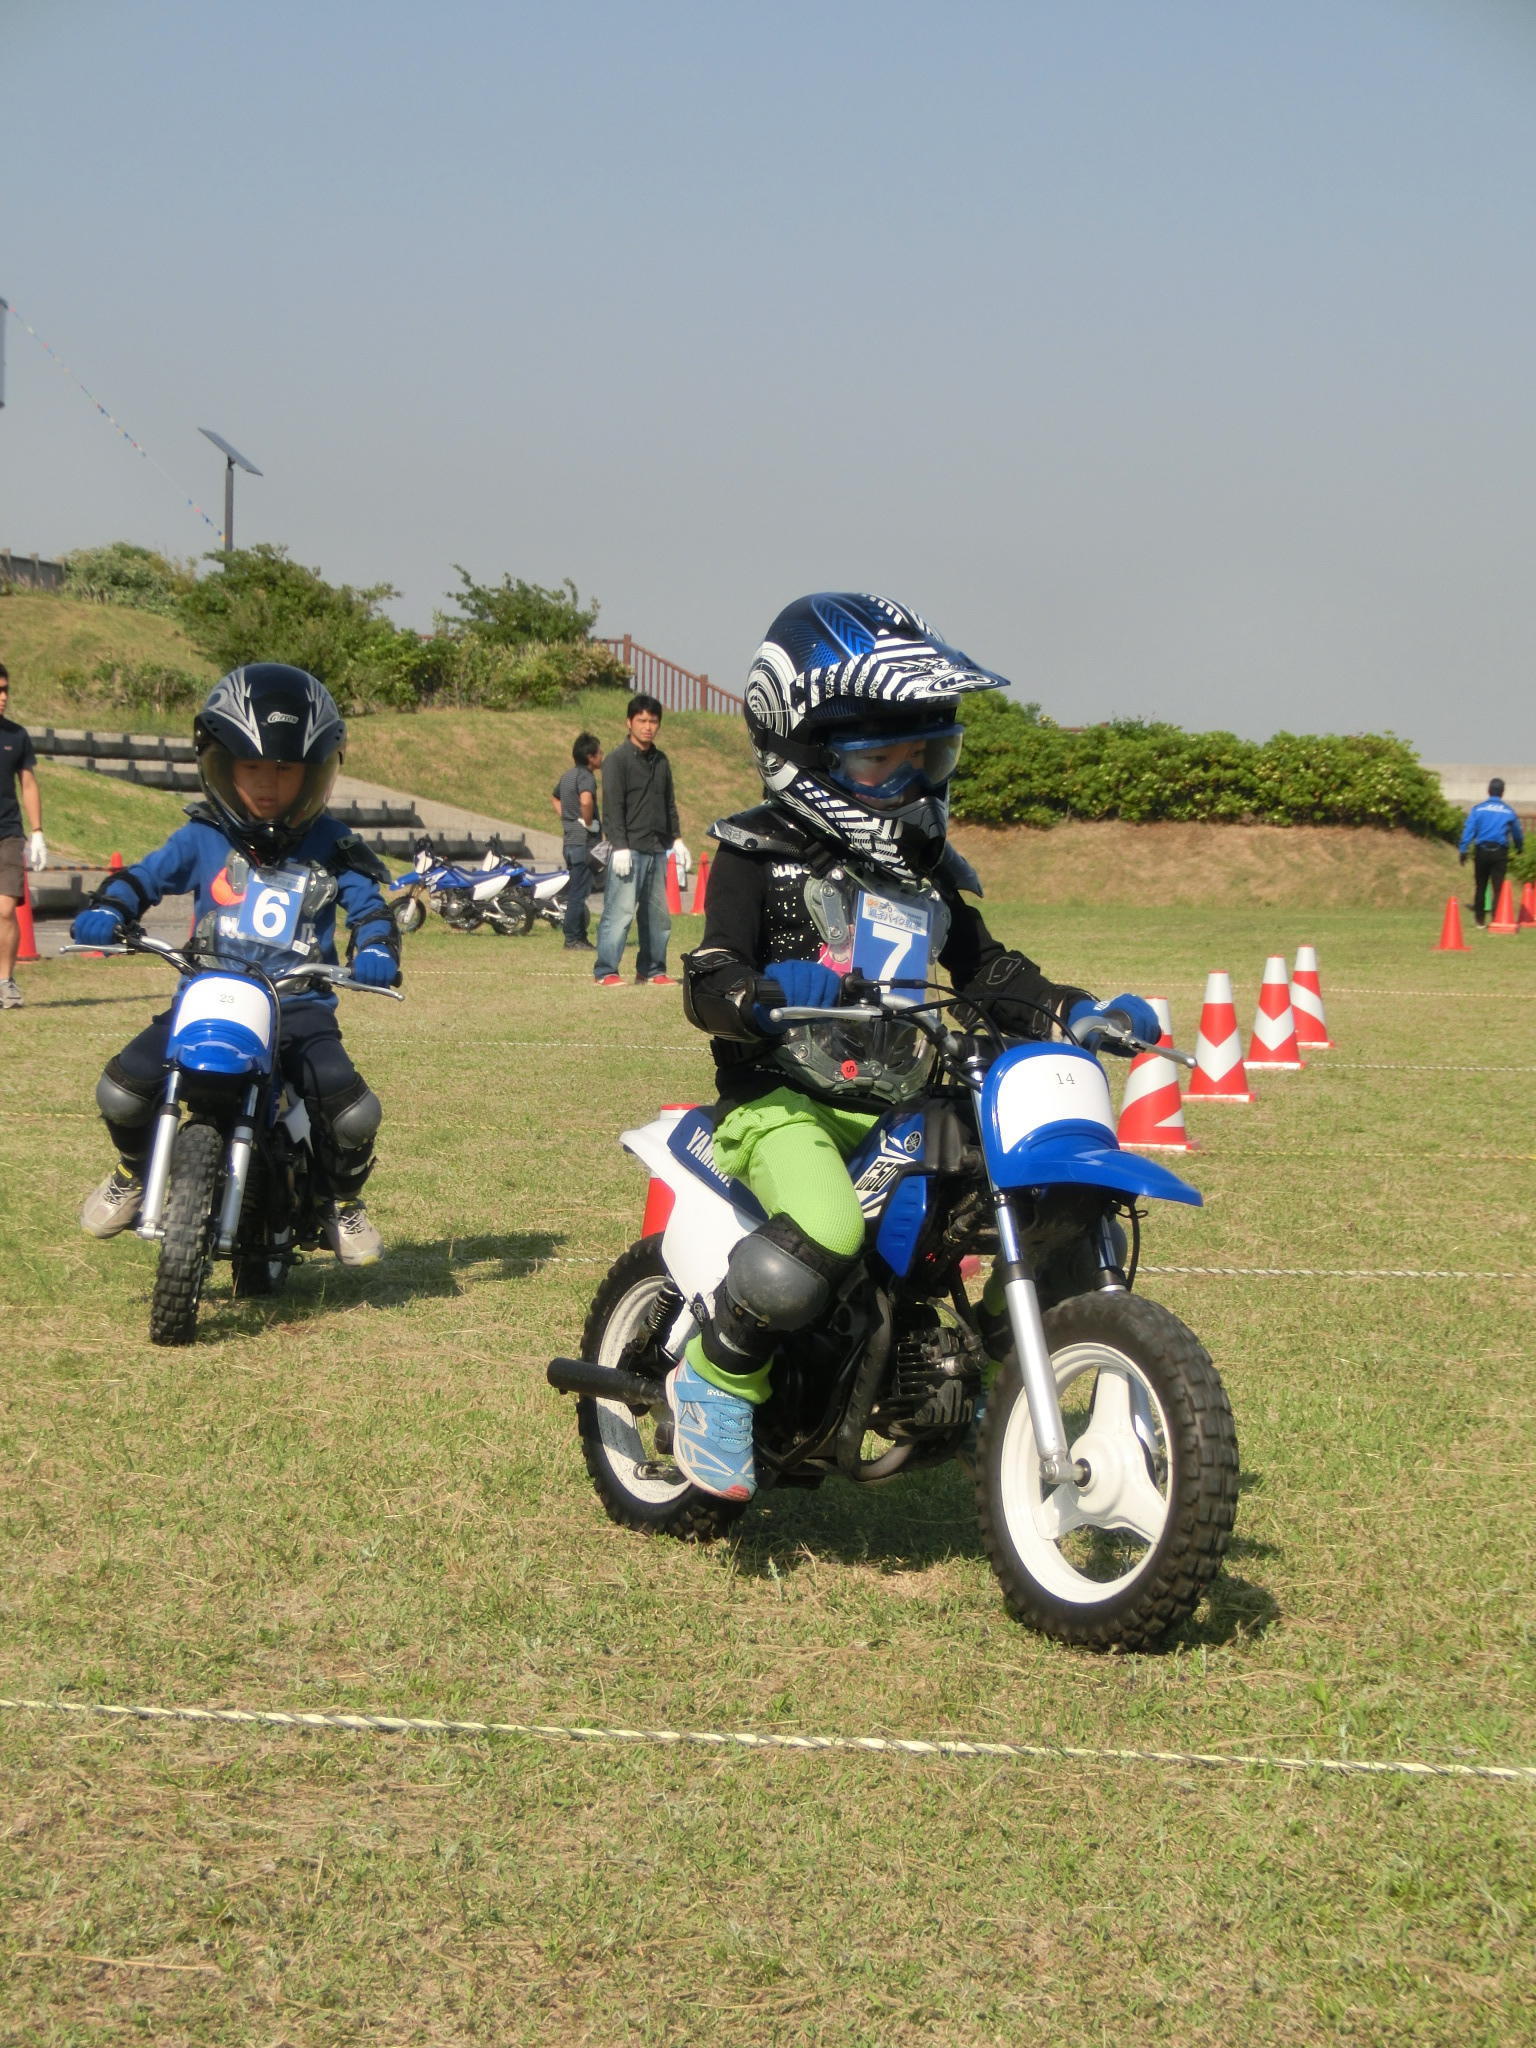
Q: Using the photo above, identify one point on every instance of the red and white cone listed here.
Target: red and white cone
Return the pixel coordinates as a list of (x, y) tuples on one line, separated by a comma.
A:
[(1152, 1114), (1273, 1045), (1307, 1002), (1219, 1074)]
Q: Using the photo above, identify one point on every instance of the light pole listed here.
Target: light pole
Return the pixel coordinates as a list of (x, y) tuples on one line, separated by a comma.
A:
[(231, 457)]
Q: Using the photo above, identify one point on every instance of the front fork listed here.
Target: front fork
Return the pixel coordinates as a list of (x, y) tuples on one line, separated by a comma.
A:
[(157, 1176), (1057, 1465)]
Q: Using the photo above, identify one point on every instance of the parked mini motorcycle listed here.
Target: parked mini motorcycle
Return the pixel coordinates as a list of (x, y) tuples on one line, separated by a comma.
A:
[(465, 898), (1105, 1461), (237, 1178)]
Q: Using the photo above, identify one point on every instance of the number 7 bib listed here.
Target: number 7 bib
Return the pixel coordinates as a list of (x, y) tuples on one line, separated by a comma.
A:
[(892, 939)]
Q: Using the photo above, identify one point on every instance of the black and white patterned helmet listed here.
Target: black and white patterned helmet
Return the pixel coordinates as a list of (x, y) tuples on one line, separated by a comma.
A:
[(267, 711), (844, 686)]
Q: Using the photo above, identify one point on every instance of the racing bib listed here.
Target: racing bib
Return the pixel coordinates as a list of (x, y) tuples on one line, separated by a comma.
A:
[(272, 906), (892, 940)]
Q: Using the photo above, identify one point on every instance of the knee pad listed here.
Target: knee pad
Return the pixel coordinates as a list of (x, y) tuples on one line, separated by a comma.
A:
[(120, 1102), (777, 1280), (352, 1120)]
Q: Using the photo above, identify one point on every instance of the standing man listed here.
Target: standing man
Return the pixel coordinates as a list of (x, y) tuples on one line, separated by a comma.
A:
[(575, 796), (1490, 831), (641, 813), (18, 776)]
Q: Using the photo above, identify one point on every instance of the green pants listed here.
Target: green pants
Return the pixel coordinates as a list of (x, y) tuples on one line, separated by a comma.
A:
[(790, 1151)]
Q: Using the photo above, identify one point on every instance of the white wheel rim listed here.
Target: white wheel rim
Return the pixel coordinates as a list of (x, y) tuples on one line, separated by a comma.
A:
[(1087, 1545), (618, 1428)]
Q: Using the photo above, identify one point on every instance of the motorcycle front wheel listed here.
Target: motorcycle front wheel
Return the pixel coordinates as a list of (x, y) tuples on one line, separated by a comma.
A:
[(410, 914), (1115, 1563), (186, 1250), (629, 1456)]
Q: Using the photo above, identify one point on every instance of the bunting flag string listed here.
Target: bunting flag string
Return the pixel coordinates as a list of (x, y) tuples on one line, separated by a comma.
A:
[(112, 419)]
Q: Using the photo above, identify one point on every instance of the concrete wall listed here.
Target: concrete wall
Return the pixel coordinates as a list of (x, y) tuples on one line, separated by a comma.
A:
[(1467, 784)]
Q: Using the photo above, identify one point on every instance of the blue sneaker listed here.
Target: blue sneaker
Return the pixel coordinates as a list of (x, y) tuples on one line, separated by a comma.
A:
[(713, 1441)]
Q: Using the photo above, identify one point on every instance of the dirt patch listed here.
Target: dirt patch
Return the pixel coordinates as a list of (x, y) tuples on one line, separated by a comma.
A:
[(1319, 867)]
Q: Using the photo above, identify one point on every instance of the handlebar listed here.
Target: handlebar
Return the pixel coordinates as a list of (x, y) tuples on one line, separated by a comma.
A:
[(136, 940), (1121, 1045)]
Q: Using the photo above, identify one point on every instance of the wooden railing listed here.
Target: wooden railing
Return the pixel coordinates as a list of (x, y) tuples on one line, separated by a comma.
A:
[(677, 689)]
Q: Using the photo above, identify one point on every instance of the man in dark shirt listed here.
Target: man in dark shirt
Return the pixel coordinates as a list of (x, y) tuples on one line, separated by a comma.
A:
[(18, 776), (575, 798), (640, 810)]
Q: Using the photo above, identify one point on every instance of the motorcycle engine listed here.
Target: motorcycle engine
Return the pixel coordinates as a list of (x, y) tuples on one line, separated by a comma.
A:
[(935, 1379)]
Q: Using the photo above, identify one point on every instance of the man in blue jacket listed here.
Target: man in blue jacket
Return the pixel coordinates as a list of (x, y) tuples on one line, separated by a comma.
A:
[(266, 867), (1490, 831)]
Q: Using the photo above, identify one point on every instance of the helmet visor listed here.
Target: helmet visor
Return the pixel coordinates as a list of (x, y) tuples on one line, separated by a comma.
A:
[(892, 768), (285, 795)]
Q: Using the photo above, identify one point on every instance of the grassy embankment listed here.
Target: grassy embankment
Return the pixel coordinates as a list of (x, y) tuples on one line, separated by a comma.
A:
[(364, 1496), (505, 765)]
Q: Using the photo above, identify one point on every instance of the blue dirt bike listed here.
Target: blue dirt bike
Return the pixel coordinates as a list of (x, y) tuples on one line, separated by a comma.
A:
[(502, 894), (1105, 1461), (236, 1178)]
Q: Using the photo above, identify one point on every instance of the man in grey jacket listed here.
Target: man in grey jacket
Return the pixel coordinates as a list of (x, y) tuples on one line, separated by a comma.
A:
[(640, 812)]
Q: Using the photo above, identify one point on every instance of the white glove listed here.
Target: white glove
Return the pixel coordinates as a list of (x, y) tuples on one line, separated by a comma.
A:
[(37, 852), (592, 825), (623, 860), (683, 858)]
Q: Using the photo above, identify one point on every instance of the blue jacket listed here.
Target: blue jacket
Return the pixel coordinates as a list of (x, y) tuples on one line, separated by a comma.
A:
[(196, 859), (1492, 823)]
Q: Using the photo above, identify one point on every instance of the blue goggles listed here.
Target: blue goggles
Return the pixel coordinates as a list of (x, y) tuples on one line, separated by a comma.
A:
[(893, 767)]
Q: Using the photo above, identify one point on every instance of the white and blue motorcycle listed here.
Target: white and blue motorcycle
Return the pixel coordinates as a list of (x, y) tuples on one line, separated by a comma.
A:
[(1103, 1452), (231, 1171)]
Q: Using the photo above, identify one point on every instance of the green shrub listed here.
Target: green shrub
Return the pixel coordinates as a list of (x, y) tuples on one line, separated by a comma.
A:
[(122, 573), (260, 606), (466, 670), (518, 614), (1018, 768), (130, 686)]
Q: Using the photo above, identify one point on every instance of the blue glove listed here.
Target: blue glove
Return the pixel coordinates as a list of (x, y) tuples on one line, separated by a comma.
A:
[(1087, 1021), (99, 926), (375, 967), (806, 985)]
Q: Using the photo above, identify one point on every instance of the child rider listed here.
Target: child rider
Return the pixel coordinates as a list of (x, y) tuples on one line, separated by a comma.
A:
[(269, 742), (851, 706)]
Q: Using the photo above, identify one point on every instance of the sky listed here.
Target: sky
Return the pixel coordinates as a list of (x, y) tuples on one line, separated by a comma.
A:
[(1175, 357)]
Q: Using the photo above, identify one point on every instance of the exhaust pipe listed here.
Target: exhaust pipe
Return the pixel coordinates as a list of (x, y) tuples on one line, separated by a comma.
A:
[(603, 1383)]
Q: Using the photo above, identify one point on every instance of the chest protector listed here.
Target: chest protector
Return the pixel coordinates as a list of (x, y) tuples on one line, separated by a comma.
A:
[(267, 916), (888, 935)]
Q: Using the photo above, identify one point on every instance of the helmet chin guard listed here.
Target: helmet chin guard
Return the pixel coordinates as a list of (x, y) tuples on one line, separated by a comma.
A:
[(843, 677)]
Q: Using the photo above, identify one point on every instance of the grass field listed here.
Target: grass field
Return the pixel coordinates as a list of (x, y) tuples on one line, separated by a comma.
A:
[(365, 1497)]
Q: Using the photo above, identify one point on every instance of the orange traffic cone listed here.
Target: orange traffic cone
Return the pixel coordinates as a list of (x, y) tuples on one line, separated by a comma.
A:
[(1451, 940), (1273, 1044), (1307, 1002), (701, 888), (1219, 1074), (659, 1198), (1503, 919), (114, 863), (1152, 1115), (27, 949), (1528, 905), (674, 893)]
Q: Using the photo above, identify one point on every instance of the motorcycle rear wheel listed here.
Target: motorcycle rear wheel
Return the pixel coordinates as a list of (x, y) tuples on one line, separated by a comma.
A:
[(258, 1265), (1116, 1564), (186, 1250), (614, 1440)]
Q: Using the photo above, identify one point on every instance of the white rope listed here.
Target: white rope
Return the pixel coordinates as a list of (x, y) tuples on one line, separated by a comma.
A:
[(1336, 1273), (717, 1739)]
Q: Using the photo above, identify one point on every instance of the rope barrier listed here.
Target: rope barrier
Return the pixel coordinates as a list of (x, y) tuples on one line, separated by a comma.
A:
[(1336, 1273), (738, 1739)]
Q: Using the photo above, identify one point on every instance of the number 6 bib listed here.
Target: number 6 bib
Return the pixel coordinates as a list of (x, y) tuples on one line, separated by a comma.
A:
[(274, 903)]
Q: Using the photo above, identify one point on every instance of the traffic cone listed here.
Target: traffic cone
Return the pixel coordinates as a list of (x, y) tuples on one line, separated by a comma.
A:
[(1273, 1044), (659, 1198), (114, 863), (674, 894), (1219, 1074), (1307, 1002), (701, 889), (1451, 940), (1503, 920), (1528, 905), (1152, 1114), (27, 948)]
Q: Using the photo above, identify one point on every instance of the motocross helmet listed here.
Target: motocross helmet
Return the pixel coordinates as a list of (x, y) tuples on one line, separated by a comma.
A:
[(851, 705), (267, 711)]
